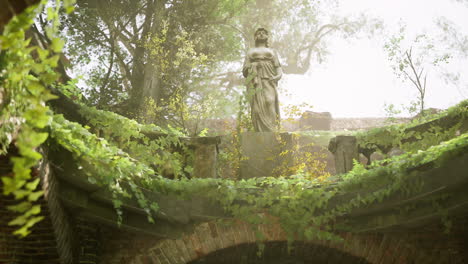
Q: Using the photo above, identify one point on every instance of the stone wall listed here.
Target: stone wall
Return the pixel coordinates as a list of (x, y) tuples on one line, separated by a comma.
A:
[(220, 126), (340, 124), (37, 247), (362, 123)]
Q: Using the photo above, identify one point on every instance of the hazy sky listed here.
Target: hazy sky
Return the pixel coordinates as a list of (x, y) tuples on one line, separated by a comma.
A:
[(356, 80)]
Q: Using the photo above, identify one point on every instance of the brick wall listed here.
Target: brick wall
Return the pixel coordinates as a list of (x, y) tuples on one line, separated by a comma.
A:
[(119, 246), (427, 244), (88, 244), (38, 247)]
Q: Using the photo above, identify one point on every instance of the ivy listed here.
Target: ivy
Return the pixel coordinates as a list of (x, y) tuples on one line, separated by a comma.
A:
[(163, 149), (104, 163), (127, 157), (410, 137), (26, 71), (300, 205)]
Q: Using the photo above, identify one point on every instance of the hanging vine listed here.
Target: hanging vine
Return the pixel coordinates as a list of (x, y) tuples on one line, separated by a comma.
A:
[(25, 73), (119, 153), (296, 202)]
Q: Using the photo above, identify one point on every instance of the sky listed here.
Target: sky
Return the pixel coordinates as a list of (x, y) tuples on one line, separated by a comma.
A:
[(356, 80)]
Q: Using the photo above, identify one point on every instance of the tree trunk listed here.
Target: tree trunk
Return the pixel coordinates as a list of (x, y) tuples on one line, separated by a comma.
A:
[(146, 75)]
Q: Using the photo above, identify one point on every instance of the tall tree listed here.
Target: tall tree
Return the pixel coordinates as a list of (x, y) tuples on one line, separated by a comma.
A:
[(132, 50), (147, 48), (413, 58), (301, 29)]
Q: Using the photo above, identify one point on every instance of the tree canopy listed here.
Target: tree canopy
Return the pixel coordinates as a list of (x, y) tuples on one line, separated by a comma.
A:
[(132, 51)]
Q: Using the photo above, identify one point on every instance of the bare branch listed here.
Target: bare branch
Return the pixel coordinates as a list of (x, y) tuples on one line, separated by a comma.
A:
[(411, 79), (320, 35), (420, 72), (418, 85), (293, 66)]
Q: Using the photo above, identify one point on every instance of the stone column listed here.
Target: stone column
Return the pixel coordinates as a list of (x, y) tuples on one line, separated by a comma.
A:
[(205, 156), (345, 150)]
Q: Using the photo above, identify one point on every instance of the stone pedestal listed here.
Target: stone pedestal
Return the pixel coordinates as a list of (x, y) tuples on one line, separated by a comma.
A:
[(264, 152), (205, 156), (345, 150)]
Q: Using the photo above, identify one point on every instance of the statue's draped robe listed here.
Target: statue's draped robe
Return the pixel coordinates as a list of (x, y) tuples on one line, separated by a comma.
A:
[(261, 91)]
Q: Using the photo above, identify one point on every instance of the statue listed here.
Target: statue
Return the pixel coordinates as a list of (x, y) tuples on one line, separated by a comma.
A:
[(263, 71)]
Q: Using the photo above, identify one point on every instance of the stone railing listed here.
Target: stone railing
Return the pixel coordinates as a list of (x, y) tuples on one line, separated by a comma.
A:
[(347, 148)]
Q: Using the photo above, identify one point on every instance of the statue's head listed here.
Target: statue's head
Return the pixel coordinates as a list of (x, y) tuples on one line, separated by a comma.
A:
[(261, 35)]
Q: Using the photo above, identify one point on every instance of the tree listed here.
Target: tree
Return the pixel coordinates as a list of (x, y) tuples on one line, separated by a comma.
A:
[(300, 29), (12, 9), (133, 50), (147, 48), (411, 60), (452, 36), (26, 72)]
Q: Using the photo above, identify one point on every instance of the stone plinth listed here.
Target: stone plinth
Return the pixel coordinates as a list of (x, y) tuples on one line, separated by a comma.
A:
[(205, 156), (264, 152), (345, 150)]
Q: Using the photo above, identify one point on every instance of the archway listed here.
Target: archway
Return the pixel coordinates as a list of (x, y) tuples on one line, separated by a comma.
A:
[(209, 241), (277, 253)]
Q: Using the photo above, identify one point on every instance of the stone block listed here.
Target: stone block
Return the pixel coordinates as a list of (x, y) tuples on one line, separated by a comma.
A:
[(205, 156), (315, 121), (345, 150)]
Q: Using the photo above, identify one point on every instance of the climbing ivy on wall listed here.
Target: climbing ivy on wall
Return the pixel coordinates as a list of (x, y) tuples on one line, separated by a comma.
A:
[(26, 71), (302, 206), (121, 154), (160, 148), (104, 163), (409, 138)]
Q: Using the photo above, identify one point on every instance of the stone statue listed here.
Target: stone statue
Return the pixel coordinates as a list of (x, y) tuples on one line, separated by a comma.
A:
[(263, 71)]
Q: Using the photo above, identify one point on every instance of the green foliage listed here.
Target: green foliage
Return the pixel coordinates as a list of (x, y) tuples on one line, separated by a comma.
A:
[(149, 49), (127, 157), (410, 61), (179, 113), (164, 152), (299, 203), (304, 160), (26, 71), (105, 164), (71, 90), (411, 139)]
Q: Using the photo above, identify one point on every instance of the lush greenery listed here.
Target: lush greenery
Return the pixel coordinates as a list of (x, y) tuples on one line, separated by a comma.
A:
[(293, 201), (126, 156), (177, 62), (27, 70), (419, 134)]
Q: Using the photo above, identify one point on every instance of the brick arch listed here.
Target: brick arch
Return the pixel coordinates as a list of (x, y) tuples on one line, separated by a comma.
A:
[(211, 236)]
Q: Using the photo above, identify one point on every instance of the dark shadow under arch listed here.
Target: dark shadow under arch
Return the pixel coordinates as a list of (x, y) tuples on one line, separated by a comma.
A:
[(277, 253)]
